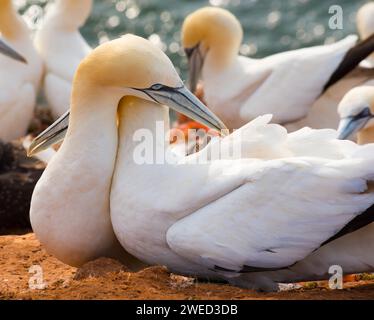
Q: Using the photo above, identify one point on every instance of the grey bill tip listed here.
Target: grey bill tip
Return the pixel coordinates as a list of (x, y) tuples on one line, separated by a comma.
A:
[(195, 65), (10, 52), (54, 134), (184, 101), (353, 124)]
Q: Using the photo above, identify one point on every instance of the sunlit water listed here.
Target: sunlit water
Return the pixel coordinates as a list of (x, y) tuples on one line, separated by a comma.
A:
[(270, 25)]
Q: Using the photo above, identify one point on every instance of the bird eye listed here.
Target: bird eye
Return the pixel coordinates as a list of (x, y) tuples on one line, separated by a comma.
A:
[(363, 114), (157, 87)]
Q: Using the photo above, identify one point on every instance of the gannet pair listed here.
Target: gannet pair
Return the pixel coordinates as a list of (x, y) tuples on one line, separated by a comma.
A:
[(238, 89), (231, 218), (19, 82), (72, 219), (62, 48)]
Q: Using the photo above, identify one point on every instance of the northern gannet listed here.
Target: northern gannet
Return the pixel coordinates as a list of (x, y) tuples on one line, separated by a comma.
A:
[(70, 205), (238, 89), (239, 221), (365, 27), (228, 216), (19, 82), (357, 114), (62, 48)]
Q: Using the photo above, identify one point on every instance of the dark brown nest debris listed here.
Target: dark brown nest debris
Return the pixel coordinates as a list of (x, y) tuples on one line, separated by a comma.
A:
[(18, 176), (42, 120)]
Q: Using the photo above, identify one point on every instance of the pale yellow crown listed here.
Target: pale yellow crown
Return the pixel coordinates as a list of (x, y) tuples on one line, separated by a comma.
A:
[(355, 100), (215, 29), (128, 62)]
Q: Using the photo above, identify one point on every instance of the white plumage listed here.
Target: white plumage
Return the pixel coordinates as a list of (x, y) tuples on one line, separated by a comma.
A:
[(365, 26), (19, 82), (269, 208), (62, 48)]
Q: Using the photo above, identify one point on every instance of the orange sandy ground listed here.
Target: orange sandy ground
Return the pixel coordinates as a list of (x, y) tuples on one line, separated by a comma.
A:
[(106, 279)]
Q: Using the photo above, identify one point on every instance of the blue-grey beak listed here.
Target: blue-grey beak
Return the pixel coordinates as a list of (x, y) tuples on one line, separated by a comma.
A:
[(10, 52), (54, 134), (351, 125), (195, 65)]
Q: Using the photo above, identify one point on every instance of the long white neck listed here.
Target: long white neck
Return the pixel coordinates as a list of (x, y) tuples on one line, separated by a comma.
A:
[(12, 26), (68, 15), (138, 116), (70, 210)]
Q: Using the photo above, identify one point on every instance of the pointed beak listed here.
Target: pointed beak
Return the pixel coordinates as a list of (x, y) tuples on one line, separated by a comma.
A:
[(351, 125), (195, 65), (179, 99), (183, 101), (54, 134), (9, 52)]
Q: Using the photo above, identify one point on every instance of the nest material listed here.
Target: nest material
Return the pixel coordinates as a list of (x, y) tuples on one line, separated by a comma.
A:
[(18, 176)]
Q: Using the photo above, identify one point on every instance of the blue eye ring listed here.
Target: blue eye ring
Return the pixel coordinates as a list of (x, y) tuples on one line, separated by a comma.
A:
[(157, 87)]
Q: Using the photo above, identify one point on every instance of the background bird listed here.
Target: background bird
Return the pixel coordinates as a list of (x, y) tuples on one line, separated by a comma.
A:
[(62, 48), (357, 114), (19, 82), (212, 37)]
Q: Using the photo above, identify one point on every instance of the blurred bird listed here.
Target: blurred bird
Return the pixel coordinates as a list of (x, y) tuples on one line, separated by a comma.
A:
[(19, 82), (323, 114), (238, 89), (62, 48), (365, 27)]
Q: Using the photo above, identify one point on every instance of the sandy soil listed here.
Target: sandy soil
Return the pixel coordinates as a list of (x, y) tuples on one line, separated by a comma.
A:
[(107, 279)]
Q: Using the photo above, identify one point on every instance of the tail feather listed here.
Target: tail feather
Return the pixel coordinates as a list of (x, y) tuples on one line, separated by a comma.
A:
[(351, 60)]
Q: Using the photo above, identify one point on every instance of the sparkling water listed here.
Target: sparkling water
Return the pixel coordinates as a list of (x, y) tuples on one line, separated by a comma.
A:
[(270, 26)]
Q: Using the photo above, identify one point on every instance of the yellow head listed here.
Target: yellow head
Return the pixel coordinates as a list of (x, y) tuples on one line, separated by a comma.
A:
[(212, 34), (356, 111), (129, 66), (215, 29), (365, 20), (128, 62)]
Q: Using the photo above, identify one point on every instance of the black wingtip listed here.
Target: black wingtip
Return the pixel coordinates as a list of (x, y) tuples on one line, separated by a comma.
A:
[(351, 60), (361, 221)]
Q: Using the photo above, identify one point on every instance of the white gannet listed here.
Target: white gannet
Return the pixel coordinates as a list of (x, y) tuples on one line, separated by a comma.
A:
[(19, 82), (365, 27), (62, 47), (356, 112), (238, 89), (70, 204)]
